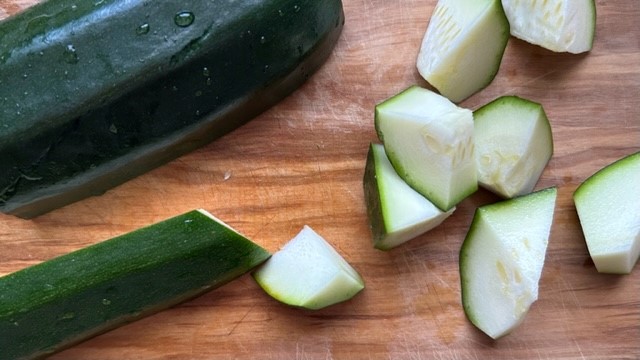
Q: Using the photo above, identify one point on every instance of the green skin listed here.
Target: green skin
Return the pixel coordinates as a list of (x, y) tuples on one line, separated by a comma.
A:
[(81, 112), (372, 198), (50, 306), (593, 180)]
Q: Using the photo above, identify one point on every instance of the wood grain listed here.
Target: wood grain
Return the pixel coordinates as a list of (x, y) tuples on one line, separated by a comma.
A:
[(302, 163)]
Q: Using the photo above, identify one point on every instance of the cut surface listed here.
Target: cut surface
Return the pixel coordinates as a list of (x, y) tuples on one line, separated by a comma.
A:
[(608, 206), (557, 25), (501, 260), (308, 272), (463, 46), (429, 141), (513, 145), (397, 213)]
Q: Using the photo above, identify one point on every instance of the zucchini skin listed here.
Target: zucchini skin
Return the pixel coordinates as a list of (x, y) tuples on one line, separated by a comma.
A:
[(55, 304), (82, 111)]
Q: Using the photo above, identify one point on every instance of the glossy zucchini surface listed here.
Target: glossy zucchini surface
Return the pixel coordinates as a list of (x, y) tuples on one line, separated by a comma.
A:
[(94, 93), (57, 303)]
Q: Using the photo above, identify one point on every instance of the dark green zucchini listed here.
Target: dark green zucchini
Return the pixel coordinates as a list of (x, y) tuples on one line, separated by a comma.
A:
[(50, 306), (94, 93)]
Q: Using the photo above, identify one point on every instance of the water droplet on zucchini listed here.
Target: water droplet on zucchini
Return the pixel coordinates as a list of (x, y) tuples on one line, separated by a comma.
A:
[(143, 29), (70, 55), (68, 316), (184, 18)]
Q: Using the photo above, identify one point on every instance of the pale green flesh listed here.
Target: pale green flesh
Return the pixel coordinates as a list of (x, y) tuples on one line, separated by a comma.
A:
[(513, 145), (406, 214), (429, 141), (463, 46), (501, 260), (308, 272), (608, 206), (557, 25)]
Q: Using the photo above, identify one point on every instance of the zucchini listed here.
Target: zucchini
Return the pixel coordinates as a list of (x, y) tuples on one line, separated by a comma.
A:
[(81, 112), (609, 213), (52, 305), (513, 144), (429, 141), (463, 46), (501, 260), (309, 273), (396, 212), (557, 25)]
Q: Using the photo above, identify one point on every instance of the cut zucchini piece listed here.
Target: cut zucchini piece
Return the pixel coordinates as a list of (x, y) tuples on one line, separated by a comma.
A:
[(463, 46), (608, 205), (429, 141), (62, 301), (309, 273), (501, 260), (397, 213), (557, 25), (513, 145)]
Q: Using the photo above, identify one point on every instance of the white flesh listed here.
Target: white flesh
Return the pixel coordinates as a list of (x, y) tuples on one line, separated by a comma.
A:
[(501, 260), (463, 46), (308, 272), (557, 25), (429, 141), (608, 205), (406, 214), (513, 145)]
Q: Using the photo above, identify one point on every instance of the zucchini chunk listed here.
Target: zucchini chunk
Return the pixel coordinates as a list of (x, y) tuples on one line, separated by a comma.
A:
[(608, 206), (513, 145), (308, 273), (396, 212), (556, 25), (463, 46), (429, 141), (501, 260)]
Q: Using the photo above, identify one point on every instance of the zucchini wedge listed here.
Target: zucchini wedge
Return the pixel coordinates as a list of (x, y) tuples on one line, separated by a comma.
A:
[(556, 25), (609, 212), (308, 273), (81, 112), (55, 304), (396, 212), (502, 258), (514, 143)]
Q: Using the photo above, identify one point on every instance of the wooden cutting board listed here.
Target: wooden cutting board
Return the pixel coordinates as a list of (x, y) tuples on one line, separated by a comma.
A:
[(302, 163)]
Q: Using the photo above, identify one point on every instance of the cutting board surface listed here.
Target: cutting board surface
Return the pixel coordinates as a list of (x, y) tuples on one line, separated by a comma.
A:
[(302, 162)]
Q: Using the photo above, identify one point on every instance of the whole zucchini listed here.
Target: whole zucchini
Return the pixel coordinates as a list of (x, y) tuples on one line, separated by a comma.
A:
[(94, 93)]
